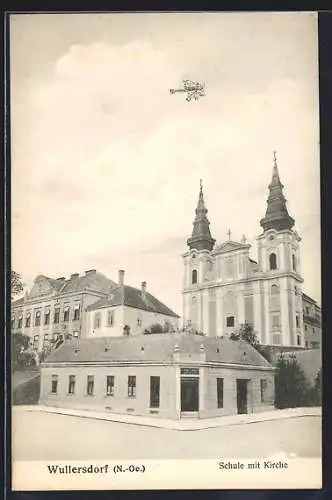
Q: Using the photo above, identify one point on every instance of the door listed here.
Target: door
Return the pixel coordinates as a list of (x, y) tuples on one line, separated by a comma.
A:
[(242, 395), (154, 392), (189, 394)]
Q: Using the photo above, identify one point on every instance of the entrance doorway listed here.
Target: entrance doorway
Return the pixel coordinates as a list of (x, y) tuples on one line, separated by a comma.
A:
[(242, 395), (189, 394)]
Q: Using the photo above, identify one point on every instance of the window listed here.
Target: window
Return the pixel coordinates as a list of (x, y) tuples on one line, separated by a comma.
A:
[(47, 317), (110, 385), (66, 314), (45, 336), (126, 330), (194, 276), (306, 343), (71, 387), (28, 320), (273, 261), (307, 311), (297, 319), (305, 327), (276, 339), (13, 321), (57, 315), (220, 392), (313, 330), (230, 321), (274, 290), (275, 320), (139, 321), (90, 385), (97, 320), (37, 318), (295, 290), (20, 320), (110, 318), (294, 262), (298, 340), (131, 386), (154, 392), (76, 312), (54, 384), (263, 390), (315, 345)]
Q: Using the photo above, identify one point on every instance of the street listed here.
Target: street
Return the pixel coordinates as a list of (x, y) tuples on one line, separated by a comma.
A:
[(45, 436)]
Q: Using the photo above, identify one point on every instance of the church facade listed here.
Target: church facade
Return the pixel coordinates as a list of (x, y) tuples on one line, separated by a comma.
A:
[(224, 288)]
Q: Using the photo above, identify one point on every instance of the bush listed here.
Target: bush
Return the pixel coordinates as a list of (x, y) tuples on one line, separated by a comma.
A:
[(292, 388)]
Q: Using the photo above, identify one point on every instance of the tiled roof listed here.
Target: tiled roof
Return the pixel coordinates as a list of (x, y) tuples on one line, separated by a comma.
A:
[(158, 347), (95, 281), (310, 361), (132, 297)]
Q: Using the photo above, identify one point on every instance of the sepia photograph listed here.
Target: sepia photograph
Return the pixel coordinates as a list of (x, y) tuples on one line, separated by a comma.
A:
[(166, 261)]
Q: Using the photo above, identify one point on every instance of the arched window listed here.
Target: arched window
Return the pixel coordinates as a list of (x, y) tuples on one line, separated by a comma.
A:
[(194, 276), (274, 290), (294, 262), (273, 261)]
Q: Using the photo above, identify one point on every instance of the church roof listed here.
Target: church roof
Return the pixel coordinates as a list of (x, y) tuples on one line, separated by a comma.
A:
[(133, 297), (201, 238), (157, 347), (276, 216)]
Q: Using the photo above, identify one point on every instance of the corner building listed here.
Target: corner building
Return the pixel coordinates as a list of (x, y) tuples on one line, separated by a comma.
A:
[(224, 287)]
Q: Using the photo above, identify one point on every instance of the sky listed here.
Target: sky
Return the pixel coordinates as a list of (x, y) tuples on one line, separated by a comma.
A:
[(106, 162)]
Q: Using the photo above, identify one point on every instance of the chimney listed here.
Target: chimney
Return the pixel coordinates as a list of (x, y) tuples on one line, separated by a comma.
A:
[(121, 276), (61, 279), (74, 276), (143, 289), (90, 271)]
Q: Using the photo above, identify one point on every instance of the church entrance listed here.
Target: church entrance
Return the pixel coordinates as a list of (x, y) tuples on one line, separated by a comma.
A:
[(242, 395), (189, 394)]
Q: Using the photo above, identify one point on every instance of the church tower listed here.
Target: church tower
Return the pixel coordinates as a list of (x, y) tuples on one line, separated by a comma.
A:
[(197, 265), (279, 262)]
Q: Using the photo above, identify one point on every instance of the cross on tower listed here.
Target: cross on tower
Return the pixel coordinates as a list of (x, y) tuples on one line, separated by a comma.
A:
[(229, 234), (275, 157)]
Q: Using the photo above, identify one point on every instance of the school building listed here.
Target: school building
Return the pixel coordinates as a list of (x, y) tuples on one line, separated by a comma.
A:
[(171, 375)]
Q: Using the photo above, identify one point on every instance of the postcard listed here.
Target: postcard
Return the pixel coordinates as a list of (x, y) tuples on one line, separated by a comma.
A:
[(166, 307)]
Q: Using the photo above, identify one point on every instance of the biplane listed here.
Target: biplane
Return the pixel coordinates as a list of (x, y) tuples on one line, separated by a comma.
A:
[(194, 90)]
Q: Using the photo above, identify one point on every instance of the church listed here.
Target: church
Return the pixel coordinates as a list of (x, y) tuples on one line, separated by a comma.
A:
[(224, 287)]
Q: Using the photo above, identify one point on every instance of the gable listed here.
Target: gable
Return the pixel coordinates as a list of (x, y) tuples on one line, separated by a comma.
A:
[(230, 246), (42, 287)]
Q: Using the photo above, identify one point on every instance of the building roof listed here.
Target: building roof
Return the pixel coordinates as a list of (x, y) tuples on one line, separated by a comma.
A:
[(310, 361), (133, 297), (307, 298), (45, 287), (18, 302), (157, 347)]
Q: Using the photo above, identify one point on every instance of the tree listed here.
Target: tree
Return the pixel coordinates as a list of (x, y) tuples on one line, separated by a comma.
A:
[(21, 357), (317, 389), (247, 333), (292, 389), (17, 285)]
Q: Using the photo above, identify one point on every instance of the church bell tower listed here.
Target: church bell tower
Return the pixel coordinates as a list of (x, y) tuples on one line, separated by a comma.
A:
[(279, 260), (197, 265)]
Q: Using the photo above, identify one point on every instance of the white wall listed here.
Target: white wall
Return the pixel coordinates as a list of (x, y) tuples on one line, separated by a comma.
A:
[(124, 315)]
